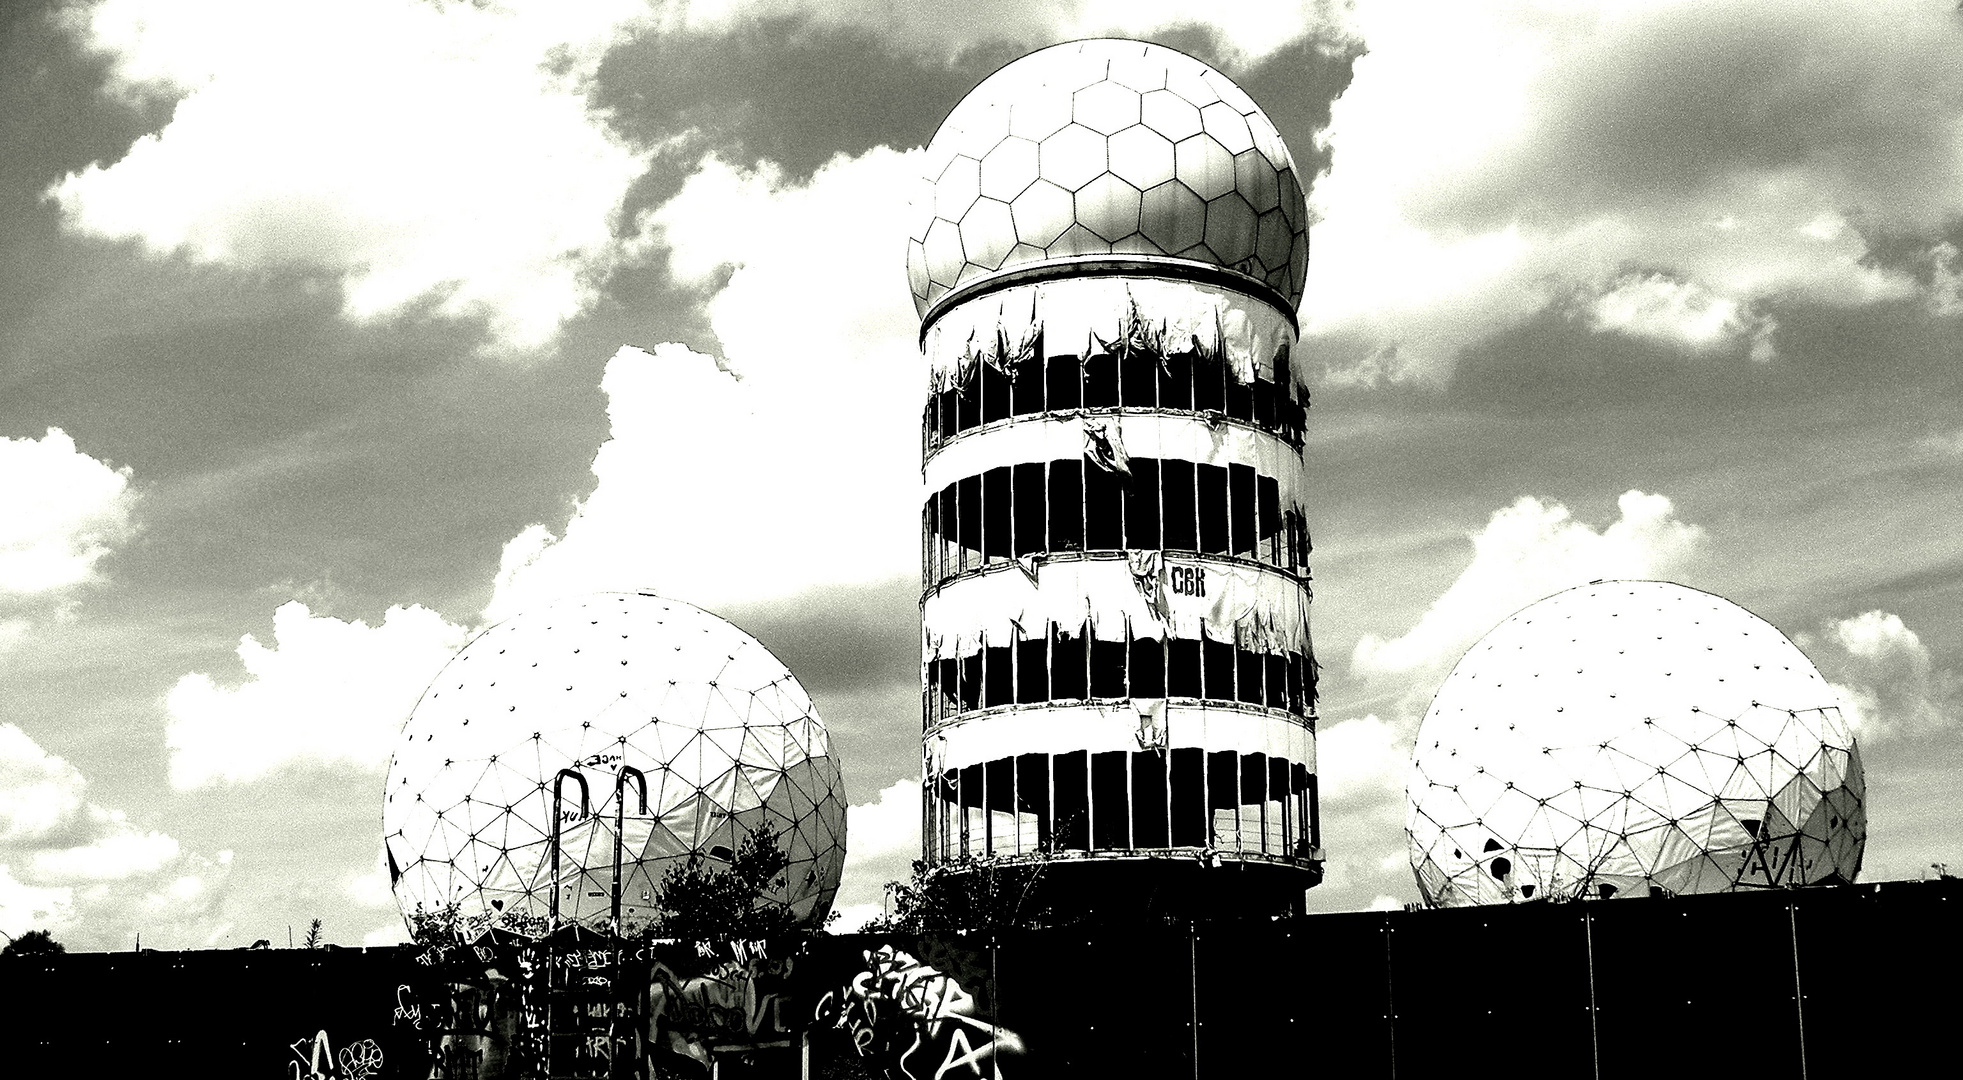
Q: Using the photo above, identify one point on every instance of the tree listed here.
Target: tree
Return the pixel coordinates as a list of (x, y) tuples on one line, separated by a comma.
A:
[(704, 904), (979, 895), (33, 943), (313, 936)]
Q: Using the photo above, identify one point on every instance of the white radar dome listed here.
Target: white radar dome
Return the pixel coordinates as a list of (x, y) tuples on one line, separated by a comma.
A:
[(1632, 738), (1107, 148), (580, 707)]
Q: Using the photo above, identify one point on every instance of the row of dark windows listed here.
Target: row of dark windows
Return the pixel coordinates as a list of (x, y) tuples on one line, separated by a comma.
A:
[(1071, 665), (1120, 800), (1074, 505), (1190, 381)]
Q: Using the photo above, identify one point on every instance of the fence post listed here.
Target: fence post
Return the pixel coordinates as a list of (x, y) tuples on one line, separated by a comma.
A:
[(1193, 992), (1799, 993), (1594, 1032)]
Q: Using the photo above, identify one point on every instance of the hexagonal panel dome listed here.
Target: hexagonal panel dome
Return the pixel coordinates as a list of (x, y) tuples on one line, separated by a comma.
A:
[(1098, 122), (621, 692), (1629, 738)]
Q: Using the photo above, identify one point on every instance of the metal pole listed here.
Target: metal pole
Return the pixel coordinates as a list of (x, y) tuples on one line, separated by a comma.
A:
[(558, 804), (1594, 1036), (1193, 983), (620, 825), (1799, 995), (1390, 996)]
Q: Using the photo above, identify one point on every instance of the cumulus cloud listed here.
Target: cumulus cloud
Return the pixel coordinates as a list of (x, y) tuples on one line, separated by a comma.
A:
[(1489, 158), (1251, 27), (85, 871), (793, 462), (886, 828), (26, 907), (1361, 760), (885, 840), (1527, 551), (61, 511), (434, 156), (1661, 308), (324, 690), (1888, 683)]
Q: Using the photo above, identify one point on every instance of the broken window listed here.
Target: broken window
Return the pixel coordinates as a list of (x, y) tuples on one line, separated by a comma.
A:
[(1187, 779), (997, 515), (1071, 780), (1118, 800), (1058, 664), (981, 391), (1004, 827), (1210, 488), (1179, 528), (1101, 381), (1217, 657), (1067, 505), (967, 402), (1139, 378), (1275, 682), (1248, 668), (1108, 659), (1064, 383), (968, 521), (1030, 504), (1026, 394), (1110, 791), (998, 677), (1240, 399), (1253, 801), (1148, 668), (1068, 665), (1033, 802), (971, 682), (1280, 836), (1223, 798), (1142, 504), (1148, 800), (1242, 515), (1209, 379), (994, 394), (1176, 381), (1272, 541), (1104, 509), (1033, 670)]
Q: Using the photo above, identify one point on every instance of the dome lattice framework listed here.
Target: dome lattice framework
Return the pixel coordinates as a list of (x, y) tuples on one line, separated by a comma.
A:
[(1107, 148), (631, 716), (1628, 738)]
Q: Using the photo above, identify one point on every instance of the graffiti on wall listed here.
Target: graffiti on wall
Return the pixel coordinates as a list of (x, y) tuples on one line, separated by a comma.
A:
[(740, 1001), (913, 1020), (314, 1059)]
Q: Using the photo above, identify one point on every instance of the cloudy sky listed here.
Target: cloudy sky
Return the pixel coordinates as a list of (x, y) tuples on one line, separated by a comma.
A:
[(331, 333)]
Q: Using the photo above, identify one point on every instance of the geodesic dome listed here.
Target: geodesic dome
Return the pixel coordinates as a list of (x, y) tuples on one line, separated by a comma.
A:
[(1626, 738), (616, 689), (1103, 148)]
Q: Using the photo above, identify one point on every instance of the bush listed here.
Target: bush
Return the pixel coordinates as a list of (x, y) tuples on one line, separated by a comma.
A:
[(33, 943)]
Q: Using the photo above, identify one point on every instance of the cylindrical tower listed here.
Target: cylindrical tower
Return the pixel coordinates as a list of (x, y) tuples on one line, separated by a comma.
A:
[(1118, 681)]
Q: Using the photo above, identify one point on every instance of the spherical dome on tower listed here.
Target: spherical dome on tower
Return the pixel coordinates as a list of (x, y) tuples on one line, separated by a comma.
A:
[(1631, 737), (574, 710), (1107, 148)]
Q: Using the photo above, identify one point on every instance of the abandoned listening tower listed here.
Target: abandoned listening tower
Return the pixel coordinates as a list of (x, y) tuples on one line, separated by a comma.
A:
[(1118, 680)]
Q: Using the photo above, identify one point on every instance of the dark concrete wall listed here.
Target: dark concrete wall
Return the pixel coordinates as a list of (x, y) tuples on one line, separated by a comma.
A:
[(1858, 980)]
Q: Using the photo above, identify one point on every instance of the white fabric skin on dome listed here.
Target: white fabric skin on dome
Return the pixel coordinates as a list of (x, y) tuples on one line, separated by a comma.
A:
[(725, 736), (1635, 735)]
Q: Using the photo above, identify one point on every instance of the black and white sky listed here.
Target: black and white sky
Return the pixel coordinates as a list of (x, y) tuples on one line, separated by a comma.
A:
[(331, 333)]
